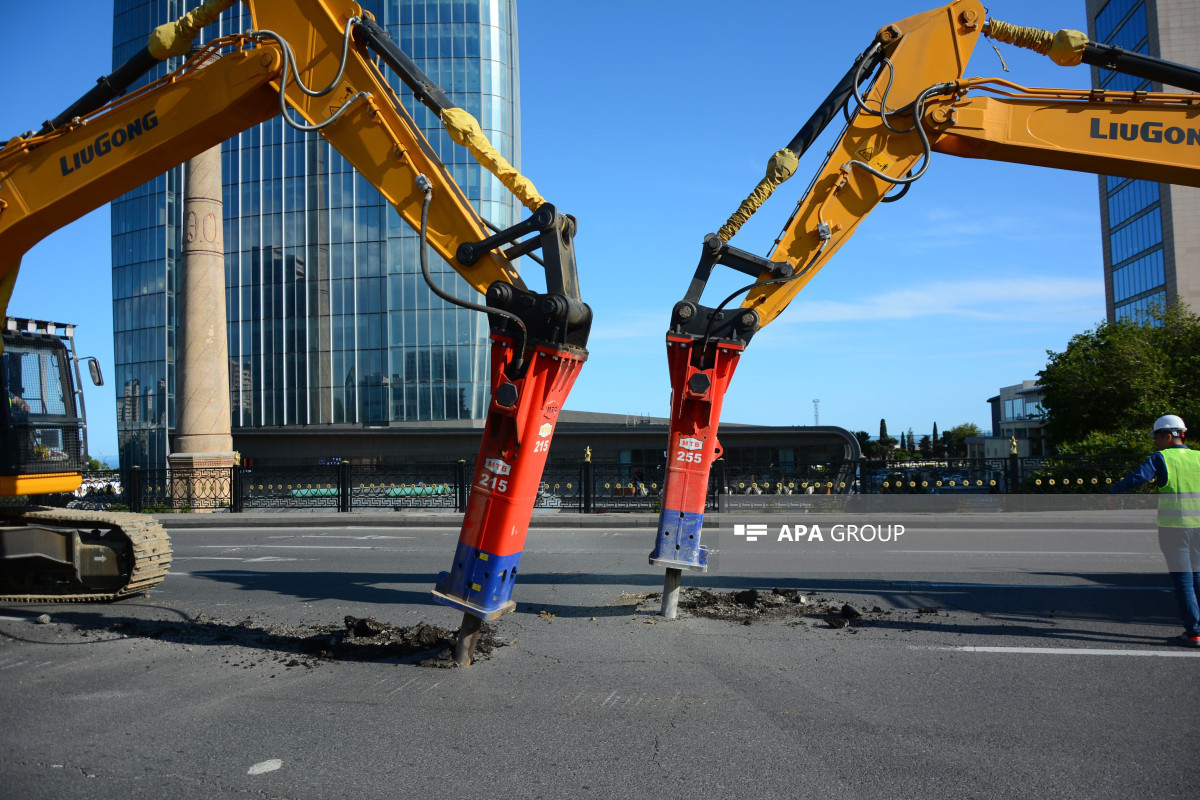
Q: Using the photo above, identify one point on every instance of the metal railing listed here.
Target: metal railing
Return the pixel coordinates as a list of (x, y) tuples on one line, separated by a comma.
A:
[(582, 486)]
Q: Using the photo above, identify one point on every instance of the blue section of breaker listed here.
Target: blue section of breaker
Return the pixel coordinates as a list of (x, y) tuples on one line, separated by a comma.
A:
[(678, 542), (480, 581)]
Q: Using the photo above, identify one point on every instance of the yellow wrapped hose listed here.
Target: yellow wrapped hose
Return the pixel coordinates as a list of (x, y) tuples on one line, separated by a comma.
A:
[(781, 167), (175, 38), (464, 129), (1064, 48)]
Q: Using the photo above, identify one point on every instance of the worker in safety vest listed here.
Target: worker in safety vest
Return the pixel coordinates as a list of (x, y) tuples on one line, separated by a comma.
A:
[(1175, 469)]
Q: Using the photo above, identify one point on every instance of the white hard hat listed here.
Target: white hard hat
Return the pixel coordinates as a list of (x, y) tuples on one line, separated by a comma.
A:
[(1170, 422)]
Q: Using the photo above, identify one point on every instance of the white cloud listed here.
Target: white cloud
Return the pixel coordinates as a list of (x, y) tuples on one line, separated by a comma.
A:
[(956, 228), (989, 299)]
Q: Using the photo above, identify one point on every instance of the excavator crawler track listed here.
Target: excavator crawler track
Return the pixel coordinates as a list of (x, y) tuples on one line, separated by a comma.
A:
[(149, 544)]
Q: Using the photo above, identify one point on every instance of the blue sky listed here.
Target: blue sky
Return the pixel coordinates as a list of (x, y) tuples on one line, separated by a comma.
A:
[(650, 121)]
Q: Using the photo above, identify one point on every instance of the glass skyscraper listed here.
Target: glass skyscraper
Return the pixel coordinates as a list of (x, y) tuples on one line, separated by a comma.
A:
[(331, 325), (1151, 245)]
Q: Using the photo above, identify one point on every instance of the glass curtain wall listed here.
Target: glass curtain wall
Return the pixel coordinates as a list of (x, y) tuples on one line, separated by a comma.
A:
[(1134, 230), (330, 321), (146, 240)]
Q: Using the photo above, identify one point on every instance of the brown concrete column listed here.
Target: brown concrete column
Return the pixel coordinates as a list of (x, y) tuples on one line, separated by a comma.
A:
[(202, 354), (202, 421)]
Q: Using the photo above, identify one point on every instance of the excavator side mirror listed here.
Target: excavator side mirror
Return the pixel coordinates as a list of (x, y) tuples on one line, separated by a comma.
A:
[(94, 369)]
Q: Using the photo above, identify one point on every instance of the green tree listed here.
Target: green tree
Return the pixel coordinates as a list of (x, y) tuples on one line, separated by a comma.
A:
[(1116, 379), (884, 446), (956, 438), (937, 445), (925, 446), (1126, 441), (1110, 442), (864, 441), (95, 465)]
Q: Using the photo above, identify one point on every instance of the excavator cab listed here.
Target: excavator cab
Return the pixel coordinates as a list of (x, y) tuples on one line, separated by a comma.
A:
[(55, 554), (42, 439)]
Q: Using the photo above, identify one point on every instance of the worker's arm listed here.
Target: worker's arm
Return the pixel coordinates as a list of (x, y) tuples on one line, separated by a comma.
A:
[(1153, 468)]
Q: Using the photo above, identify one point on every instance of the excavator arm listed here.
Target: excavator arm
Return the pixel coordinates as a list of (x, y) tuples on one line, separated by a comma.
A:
[(904, 98), (314, 59), (922, 60)]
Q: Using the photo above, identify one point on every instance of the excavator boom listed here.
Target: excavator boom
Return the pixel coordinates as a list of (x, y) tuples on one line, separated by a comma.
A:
[(905, 98), (314, 59)]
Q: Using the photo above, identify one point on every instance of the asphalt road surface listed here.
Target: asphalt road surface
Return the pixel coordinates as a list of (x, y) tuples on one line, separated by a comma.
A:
[(952, 684)]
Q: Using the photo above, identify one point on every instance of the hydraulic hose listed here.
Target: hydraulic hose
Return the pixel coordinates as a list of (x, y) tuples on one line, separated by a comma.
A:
[(424, 184)]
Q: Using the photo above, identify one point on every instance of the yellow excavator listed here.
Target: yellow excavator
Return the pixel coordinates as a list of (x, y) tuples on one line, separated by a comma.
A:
[(58, 553), (904, 98), (316, 60)]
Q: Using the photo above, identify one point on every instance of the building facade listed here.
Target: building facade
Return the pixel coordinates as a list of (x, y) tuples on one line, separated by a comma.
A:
[(330, 324), (1017, 417), (1151, 241)]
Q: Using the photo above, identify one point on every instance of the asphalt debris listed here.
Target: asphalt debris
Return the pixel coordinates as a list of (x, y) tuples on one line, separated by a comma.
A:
[(355, 639), (791, 606)]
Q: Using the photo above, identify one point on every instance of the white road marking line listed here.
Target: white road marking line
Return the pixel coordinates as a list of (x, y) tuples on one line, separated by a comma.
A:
[(238, 558), (402, 686), (265, 766), (902, 584), (207, 558), (1064, 651), (286, 547), (219, 574), (244, 529), (1014, 553), (15, 619), (382, 527), (336, 536)]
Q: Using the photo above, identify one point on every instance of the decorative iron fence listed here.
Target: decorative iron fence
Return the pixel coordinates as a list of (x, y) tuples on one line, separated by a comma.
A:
[(289, 486), (621, 487), (941, 476), (562, 486), (406, 484), (1075, 474), (835, 477), (579, 486)]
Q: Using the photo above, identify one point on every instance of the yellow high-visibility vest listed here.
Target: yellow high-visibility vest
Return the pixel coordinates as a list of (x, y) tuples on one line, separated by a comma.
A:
[(1179, 500)]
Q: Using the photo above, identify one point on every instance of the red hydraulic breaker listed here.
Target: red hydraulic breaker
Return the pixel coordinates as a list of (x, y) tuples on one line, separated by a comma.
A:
[(538, 345), (508, 473), (703, 348), (700, 374)]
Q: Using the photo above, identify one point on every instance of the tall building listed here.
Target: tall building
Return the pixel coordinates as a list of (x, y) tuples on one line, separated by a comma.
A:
[(331, 326), (1151, 240)]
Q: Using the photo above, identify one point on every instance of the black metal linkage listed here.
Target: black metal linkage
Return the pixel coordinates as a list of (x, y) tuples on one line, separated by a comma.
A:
[(424, 89), (1141, 65)]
